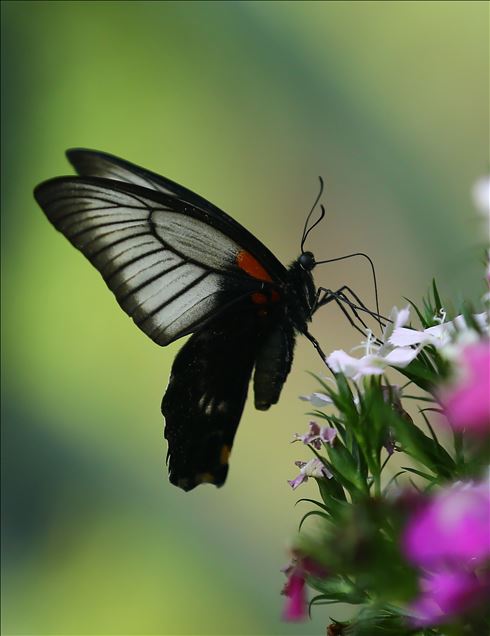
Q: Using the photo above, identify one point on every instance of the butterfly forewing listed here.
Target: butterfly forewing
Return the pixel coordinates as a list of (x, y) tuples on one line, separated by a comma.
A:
[(92, 163), (169, 269)]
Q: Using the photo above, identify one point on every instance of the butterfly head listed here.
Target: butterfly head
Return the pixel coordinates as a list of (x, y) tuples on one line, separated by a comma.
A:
[(307, 261)]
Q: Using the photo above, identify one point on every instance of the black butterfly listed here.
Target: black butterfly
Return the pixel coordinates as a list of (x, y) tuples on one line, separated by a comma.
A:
[(178, 265)]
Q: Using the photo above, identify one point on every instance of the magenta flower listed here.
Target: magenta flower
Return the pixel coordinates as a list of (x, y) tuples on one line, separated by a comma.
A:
[(300, 567), (446, 594), (294, 590), (448, 537), (467, 402), (452, 527)]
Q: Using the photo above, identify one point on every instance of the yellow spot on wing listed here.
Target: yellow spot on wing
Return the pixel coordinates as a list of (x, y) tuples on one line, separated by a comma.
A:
[(225, 454), (205, 478)]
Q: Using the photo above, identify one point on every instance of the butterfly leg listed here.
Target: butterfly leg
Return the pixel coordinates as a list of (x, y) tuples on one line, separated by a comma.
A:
[(343, 301), (340, 299), (316, 344), (340, 294), (329, 296), (363, 307)]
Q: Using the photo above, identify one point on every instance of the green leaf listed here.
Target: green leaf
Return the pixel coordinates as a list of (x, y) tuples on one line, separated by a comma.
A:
[(420, 374), (419, 314), (423, 448), (339, 590), (345, 468), (382, 621), (398, 474), (420, 473), (332, 493), (429, 426), (320, 599), (437, 299), (312, 513), (313, 501), (326, 387)]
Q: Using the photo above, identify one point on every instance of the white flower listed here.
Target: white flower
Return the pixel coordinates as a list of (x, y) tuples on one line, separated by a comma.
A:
[(481, 195), (443, 336), (397, 319), (377, 357), (313, 468), (371, 364), (317, 399)]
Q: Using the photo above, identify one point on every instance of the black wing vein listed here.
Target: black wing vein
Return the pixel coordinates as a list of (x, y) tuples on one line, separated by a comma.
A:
[(141, 286), (135, 259)]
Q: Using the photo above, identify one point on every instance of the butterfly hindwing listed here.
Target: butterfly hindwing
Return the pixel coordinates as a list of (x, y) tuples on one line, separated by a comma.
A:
[(205, 397)]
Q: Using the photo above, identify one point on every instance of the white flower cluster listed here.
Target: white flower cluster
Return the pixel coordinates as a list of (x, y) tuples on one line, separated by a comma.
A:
[(400, 345)]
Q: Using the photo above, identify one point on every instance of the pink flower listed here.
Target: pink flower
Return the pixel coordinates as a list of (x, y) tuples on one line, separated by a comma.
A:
[(294, 590), (300, 567), (448, 537), (467, 402), (452, 527), (317, 435), (445, 594)]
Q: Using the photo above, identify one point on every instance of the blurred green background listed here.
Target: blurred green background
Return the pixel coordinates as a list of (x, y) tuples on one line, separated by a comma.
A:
[(245, 103)]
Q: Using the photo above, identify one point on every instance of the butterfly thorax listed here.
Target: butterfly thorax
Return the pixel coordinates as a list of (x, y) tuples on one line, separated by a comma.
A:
[(301, 294)]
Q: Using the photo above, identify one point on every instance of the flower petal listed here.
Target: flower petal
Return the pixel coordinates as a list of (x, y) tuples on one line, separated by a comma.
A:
[(341, 362), (317, 399), (452, 527), (481, 195), (446, 593), (401, 356), (328, 434), (295, 608), (467, 402), (294, 483), (404, 337)]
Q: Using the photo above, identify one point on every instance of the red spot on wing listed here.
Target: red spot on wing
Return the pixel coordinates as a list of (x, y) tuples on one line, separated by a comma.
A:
[(251, 266), (259, 299)]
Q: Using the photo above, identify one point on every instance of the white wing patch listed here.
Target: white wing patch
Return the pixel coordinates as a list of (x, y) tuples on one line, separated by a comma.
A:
[(195, 239), (165, 268)]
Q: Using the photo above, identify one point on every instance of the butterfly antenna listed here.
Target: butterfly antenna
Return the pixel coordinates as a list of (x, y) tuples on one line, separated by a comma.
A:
[(322, 214), (306, 231), (373, 272)]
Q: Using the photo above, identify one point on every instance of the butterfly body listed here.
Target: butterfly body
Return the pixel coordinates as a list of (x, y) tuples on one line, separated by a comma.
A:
[(178, 265)]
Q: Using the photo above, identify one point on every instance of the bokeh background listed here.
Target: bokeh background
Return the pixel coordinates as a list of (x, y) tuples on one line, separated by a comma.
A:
[(245, 103)]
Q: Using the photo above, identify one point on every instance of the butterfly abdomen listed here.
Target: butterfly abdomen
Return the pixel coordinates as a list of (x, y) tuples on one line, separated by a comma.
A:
[(273, 364)]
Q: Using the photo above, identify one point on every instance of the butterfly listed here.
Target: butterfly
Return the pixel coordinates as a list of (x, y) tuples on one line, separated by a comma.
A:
[(178, 265)]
